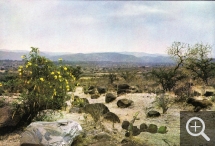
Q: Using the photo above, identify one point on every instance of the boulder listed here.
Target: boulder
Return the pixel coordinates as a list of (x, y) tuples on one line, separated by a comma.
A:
[(91, 88), (209, 93), (152, 128), (125, 125), (96, 110), (199, 104), (109, 97), (102, 136), (143, 127), (122, 91), (95, 96), (101, 89), (153, 114), (8, 118), (75, 110), (124, 103), (123, 86), (135, 131), (93, 91), (134, 89), (62, 132), (111, 117)]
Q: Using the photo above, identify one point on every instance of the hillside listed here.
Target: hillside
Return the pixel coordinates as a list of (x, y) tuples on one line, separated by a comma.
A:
[(130, 57)]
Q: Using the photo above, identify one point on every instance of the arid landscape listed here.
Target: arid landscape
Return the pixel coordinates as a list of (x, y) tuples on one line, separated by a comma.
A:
[(107, 73)]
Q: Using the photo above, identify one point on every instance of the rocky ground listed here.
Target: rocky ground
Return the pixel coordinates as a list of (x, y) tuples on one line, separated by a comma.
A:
[(109, 135)]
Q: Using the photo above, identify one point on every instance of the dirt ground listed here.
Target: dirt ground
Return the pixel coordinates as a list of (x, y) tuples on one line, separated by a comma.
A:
[(142, 101)]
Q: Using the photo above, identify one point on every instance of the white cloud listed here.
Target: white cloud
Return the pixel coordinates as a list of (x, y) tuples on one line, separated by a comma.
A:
[(96, 26)]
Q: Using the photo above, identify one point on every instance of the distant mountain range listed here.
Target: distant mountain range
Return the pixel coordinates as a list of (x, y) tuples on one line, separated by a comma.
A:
[(138, 57)]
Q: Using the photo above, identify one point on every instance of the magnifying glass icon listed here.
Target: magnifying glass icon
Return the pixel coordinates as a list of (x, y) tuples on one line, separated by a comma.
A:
[(196, 126)]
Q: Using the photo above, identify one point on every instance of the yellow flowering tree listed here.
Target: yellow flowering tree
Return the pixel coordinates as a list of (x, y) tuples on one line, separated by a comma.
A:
[(44, 84)]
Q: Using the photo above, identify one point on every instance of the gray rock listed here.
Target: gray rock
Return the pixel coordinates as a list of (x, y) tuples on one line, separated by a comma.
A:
[(153, 114), (209, 93), (102, 136), (124, 103), (152, 128), (143, 127), (7, 118), (109, 97), (96, 110), (91, 88), (199, 104), (111, 117), (60, 133), (123, 86), (135, 131), (101, 89), (95, 96), (125, 125)]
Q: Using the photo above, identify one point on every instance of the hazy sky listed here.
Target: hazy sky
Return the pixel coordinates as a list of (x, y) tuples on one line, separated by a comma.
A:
[(105, 26)]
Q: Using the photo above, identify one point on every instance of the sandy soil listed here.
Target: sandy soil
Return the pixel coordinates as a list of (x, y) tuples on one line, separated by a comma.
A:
[(141, 101)]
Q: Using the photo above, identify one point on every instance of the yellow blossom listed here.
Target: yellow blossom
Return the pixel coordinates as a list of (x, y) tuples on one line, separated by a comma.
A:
[(65, 68), (22, 56), (55, 92), (30, 72), (41, 79), (0, 84), (20, 70), (20, 66), (55, 77), (28, 82), (58, 72), (60, 59), (59, 76), (20, 73), (67, 86), (26, 66), (29, 63), (67, 89), (52, 73)]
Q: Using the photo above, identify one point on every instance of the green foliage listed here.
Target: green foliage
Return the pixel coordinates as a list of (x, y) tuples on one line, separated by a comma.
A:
[(48, 115), (195, 59), (44, 84), (112, 77), (199, 62), (162, 129), (162, 102), (167, 77), (2, 102), (128, 76), (130, 127), (76, 71)]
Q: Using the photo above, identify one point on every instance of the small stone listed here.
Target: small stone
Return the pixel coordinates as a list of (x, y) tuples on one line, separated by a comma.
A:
[(109, 97), (143, 127), (152, 128), (135, 131), (102, 135), (95, 96), (124, 103), (125, 125), (153, 114)]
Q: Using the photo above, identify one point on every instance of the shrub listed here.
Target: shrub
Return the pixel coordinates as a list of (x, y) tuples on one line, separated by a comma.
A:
[(44, 84), (162, 102)]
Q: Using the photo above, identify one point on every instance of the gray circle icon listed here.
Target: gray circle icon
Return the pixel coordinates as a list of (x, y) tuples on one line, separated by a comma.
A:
[(196, 126)]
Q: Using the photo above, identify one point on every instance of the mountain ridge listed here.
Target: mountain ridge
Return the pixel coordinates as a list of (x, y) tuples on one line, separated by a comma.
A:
[(98, 56)]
